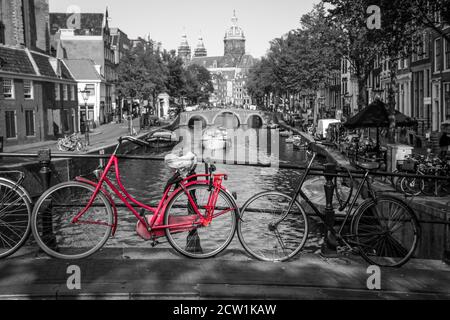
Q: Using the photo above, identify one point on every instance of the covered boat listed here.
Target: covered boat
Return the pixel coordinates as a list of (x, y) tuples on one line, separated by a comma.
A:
[(163, 139)]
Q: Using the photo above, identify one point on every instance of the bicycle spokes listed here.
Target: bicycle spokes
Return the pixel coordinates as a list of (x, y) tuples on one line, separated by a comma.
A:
[(386, 232), (268, 231)]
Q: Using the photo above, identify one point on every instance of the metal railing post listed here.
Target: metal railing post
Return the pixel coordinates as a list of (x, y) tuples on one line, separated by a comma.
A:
[(45, 173), (330, 216), (44, 158)]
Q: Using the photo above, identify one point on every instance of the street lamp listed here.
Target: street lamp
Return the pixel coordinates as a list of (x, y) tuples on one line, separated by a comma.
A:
[(85, 94)]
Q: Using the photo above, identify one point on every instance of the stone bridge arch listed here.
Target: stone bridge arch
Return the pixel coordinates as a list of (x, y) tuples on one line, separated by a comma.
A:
[(254, 114), (210, 116), (222, 112)]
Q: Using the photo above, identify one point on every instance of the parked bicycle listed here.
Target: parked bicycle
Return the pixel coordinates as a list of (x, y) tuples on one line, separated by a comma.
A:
[(15, 213), (196, 214), (426, 166), (383, 229), (71, 143)]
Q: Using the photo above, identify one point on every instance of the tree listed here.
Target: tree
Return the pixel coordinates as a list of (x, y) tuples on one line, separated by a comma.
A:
[(260, 81), (141, 74), (303, 59), (176, 80), (402, 20), (199, 84)]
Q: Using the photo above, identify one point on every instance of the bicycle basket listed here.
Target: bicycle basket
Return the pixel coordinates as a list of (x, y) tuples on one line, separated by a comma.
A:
[(409, 166)]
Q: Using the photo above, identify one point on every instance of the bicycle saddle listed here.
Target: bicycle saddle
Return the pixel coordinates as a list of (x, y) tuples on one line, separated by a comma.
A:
[(369, 166), (181, 163)]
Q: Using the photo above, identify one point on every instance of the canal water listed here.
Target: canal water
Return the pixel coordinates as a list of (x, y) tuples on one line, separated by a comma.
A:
[(146, 180)]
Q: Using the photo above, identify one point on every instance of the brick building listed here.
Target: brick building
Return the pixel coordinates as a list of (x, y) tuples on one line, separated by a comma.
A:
[(37, 96)]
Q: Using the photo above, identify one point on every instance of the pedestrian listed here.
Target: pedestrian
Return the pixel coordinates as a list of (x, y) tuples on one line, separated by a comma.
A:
[(444, 142)]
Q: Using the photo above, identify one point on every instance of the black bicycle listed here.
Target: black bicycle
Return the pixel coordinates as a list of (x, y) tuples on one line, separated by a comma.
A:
[(383, 229), (15, 213)]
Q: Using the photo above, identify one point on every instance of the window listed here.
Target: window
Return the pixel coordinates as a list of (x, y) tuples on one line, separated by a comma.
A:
[(10, 121), (29, 123), (72, 93), (426, 45), (57, 92), (447, 100), (65, 92), (447, 55), (437, 55), (28, 89), (8, 88)]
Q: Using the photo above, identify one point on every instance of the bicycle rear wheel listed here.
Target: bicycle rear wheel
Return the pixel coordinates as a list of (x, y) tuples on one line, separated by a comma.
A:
[(52, 221), (386, 231), (15, 216), (196, 241), (268, 232), (412, 186)]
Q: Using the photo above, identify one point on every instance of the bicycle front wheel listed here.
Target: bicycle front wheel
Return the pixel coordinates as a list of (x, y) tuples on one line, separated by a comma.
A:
[(54, 230), (15, 216), (269, 232), (386, 231), (191, 239)]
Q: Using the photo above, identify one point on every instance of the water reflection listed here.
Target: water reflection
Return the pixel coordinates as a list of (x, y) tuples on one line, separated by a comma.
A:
[(146, 180)]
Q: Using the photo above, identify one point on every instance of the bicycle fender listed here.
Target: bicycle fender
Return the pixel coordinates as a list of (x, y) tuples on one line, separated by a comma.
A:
[(206, 183), (19, 188)]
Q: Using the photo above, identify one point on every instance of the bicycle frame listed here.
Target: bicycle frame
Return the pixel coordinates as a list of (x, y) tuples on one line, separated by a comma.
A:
[(156, 222), (299, 192)]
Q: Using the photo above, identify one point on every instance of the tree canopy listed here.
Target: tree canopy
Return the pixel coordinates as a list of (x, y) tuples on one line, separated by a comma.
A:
[(144, 73)]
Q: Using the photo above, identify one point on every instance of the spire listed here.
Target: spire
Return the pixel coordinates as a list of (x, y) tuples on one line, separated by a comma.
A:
[(234, 19), (184, 50), (200, 50), (234, 38)]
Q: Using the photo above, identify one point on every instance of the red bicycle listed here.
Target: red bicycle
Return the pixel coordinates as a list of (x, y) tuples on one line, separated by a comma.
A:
[(196, 214)]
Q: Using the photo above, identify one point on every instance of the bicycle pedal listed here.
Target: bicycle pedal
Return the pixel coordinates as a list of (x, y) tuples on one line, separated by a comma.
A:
[(155, 243)]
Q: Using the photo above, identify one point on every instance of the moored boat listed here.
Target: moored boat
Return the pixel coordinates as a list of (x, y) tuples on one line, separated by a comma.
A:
[(286, 134), (163, 139), (293, 139), (215, 139)]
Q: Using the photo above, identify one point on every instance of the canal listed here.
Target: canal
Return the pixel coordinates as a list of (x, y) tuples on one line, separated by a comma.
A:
[(146, 180)]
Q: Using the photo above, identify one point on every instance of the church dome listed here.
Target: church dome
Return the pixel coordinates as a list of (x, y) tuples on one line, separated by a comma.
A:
[(184, 50), (184, 45), (200, 50), (234, 32)]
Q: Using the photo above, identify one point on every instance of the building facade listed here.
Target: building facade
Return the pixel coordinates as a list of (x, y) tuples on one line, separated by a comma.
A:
[(38, 98), (91, 92), (229, 72), (90, 39)]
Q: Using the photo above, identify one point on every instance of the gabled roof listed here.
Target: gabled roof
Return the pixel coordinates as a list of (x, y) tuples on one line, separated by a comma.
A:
[(83, 69), (65, 73), (21, 61), (15, 60), (43, 63)]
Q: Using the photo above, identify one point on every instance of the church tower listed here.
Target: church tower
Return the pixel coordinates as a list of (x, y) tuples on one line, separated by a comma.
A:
[(234, 39), (200, 50), (184, 50)]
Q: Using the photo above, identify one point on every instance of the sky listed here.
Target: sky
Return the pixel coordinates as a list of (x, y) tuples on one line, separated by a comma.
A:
[(166, 20)]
